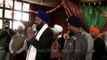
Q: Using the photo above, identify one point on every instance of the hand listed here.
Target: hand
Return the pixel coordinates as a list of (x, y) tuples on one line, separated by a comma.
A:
[(30, 33), (65, 35), (14, 53)]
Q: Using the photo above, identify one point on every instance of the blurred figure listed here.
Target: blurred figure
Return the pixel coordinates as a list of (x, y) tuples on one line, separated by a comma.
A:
[(5, 36), (79, 46), (58, 43), (99, 44), (6, 27), (40, 43), (104, 36), (18, 45)]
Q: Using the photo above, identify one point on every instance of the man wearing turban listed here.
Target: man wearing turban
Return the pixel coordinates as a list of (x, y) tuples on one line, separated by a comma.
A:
[(40, 43), (99, 44), (80, 44)]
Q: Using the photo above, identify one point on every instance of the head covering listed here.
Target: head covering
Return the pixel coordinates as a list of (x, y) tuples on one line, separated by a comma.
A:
[(74, 21), (20, 29), (43, 15), (95, 30), (57, 28)]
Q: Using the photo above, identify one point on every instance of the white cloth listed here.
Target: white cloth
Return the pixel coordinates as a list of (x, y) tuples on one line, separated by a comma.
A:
[(31, 54), (57, 28)]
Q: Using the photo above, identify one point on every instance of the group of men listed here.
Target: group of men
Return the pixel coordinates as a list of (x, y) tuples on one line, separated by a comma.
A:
[(50, 44), (79, 46)]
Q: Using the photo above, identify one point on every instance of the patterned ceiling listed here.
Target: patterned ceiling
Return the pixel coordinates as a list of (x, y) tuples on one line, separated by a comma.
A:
[(49, 3)]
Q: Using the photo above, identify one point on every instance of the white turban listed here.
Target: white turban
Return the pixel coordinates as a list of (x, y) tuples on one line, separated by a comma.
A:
[(57, 28)]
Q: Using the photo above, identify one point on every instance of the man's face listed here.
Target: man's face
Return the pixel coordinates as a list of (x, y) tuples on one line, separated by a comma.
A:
[(71, 28), (6, 25), (93, 34), (20, 29), (38, 21)]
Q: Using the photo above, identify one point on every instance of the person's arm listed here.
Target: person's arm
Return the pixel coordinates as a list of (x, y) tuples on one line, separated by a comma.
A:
[(34, 42), (23, 48), (90, 46), (10, 46), (46, 39)]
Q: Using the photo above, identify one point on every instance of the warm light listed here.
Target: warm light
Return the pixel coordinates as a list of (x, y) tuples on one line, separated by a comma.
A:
[(0, 12), (17, 23), (26, 7), (90, 1), (1, 3), (17, 15), (8, 2), (0, 24), (25, 16), (8, 13), (17, 5)]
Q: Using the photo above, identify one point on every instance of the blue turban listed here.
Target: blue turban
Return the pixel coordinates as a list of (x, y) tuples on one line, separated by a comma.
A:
[(43, 15), (74, 21)]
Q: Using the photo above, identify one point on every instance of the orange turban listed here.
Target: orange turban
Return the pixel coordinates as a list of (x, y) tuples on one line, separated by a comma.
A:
[(95, 30)]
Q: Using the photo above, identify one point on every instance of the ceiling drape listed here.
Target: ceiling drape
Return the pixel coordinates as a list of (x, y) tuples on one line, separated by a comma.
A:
[(73, 9), (93, 15)]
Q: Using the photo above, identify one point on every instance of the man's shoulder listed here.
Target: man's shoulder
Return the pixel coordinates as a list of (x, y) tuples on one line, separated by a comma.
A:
[(49, 31), (85, 34)]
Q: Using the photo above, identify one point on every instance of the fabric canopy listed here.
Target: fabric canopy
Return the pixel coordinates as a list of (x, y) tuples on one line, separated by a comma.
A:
[(93, 17)]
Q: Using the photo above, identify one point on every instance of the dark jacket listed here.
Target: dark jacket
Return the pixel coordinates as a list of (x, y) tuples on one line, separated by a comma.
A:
[(44, 45), (75, 48), (61, 42), (99, 49), (5, 38)]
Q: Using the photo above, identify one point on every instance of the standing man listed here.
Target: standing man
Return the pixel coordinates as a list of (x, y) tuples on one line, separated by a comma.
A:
[(99, 44), (40, 43), (80, 44), (5, 36), (58, 43), (18, 45)]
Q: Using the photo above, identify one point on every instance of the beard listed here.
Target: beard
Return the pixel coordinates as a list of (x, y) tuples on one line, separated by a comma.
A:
[(38, 27)]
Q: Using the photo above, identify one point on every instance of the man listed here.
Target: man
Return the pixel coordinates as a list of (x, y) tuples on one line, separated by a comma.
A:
[(18, 45), (80, 44), (5, 36), (40, 43), (99, 44), (58, 43), (104, 37)]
